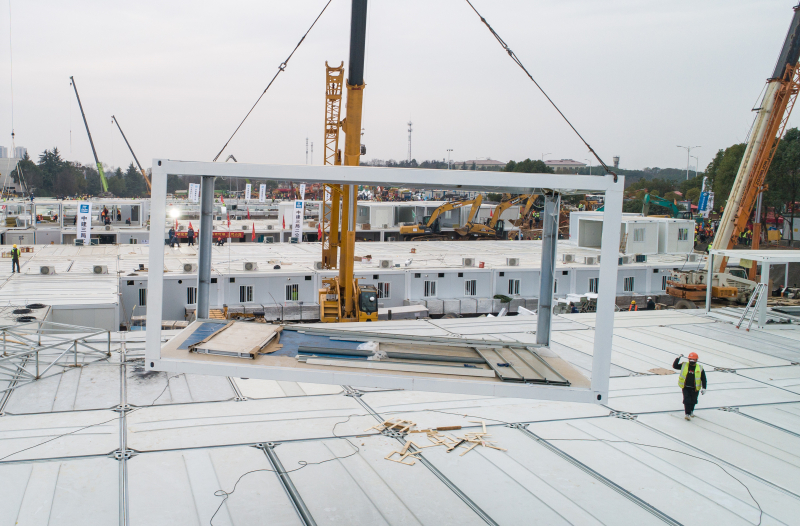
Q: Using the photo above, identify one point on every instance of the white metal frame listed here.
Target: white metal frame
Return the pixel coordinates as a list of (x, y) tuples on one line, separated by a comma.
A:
[(767, 258), (419, 178)]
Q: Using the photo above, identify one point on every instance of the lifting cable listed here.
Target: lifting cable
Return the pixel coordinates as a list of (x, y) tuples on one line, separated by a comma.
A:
[(280, 70), (519, 63)]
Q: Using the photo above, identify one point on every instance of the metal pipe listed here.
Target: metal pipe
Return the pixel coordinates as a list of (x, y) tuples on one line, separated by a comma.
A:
[(552, 205), (393, 355), (205, 240), (288, 485)]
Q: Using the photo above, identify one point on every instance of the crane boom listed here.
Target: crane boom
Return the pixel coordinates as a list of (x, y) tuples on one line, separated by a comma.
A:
[(773, 114), (91, 142), (144, 174)]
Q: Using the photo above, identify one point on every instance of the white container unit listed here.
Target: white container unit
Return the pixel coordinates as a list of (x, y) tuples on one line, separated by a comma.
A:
[(675, 236), (642, 236)]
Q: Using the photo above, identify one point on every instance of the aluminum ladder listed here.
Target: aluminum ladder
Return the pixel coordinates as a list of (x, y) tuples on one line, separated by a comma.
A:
[(752, 306)]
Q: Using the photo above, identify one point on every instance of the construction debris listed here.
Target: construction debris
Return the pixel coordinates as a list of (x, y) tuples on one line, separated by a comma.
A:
[(436, 438)]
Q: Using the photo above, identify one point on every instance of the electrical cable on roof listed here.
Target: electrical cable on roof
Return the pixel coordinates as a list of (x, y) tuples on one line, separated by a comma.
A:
[(280, 70), (302, 464), (519, 63), (96, 424)]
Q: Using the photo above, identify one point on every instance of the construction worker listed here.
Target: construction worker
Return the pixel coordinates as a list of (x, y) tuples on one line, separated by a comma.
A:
[(15, 259), (633, 306), (651, 305), (172, 239), (692, 381), (190, 236)]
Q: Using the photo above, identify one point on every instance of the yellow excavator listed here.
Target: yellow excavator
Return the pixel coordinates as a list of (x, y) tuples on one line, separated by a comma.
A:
[(494, 227), (430, 228)]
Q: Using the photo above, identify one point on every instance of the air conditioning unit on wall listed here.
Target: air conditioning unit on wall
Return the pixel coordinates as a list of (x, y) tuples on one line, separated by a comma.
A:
[(250, 265), (100, 269), (468, 262), (386, 263), (590, 260), (568, 258), (512, 262), (47, 270), (190, 267)]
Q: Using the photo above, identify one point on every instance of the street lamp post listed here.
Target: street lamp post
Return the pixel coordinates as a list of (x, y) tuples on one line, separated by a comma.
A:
[(448, 157), (696, 164), (688, 154), (590, 166), (548, 153)]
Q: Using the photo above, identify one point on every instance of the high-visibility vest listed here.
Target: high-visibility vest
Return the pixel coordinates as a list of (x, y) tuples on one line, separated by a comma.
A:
[(698, 375)]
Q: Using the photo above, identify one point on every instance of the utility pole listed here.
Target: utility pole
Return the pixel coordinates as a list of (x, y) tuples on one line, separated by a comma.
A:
[(448, 157), (409, 141), (696, 164), (306, 150), (688, 154), (312, 153), (548, 153)]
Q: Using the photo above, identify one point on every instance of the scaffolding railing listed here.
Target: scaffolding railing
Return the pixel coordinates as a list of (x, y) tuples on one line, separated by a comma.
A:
[(35, 350)]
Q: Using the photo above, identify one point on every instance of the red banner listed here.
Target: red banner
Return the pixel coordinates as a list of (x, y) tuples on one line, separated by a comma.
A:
[(215, 235)]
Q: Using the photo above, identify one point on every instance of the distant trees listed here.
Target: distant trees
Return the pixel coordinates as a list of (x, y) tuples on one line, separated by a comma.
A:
[(52, 176), (529, 167)]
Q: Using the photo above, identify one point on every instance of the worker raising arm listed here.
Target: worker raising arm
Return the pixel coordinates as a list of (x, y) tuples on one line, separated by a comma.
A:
[(692, 381)]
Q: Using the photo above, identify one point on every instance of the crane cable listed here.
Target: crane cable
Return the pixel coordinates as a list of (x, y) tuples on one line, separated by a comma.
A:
[(519, 63), (281, 68)]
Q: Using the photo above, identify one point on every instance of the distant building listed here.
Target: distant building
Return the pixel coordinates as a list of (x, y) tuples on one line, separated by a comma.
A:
[(3, 152), (19, 152), (481, 164), (564, 164)]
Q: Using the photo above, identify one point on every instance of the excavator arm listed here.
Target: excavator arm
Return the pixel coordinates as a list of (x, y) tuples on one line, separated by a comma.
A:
[(452, 205), (505, 205), (673, 208)]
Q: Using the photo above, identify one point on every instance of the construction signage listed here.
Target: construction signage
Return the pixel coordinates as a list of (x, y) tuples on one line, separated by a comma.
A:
[(248, 188), (262, 193), (84, 222), (297, 217), (194, 192)]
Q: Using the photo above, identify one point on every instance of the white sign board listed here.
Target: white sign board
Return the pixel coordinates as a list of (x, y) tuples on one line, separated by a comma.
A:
[(194, 192), (262, 193), (84, 223), (710, 205), (248, 188), (297, 215)]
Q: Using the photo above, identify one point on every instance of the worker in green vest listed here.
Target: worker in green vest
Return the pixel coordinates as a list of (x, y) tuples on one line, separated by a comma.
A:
[(14, 259), (692, 382)]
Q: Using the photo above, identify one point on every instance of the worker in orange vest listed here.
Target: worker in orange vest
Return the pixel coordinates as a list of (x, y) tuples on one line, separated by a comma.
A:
[(633, 306)]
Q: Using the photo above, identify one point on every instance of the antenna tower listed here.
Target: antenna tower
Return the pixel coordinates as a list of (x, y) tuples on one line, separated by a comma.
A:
[(409, 141)]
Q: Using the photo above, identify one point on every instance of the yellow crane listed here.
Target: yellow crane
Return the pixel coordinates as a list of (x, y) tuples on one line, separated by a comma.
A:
[(342, 299), (430, 227)]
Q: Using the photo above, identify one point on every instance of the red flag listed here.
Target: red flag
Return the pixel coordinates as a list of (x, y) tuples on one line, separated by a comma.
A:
[(222, 199), (229, 221), (248, 214), (254, 233), (284, 222), (319, 231), (176, 224)]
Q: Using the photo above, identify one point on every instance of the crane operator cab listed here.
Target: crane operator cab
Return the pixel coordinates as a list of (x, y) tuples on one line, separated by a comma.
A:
[(367, 303)]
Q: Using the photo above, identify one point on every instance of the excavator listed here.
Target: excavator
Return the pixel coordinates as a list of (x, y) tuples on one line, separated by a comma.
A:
[(773, 114), (494, 227), (675, 212), (430, 228), (342, 298)]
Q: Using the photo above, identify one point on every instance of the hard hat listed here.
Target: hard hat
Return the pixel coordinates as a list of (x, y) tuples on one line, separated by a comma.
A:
[(693, 356), (649, 297), (633, 302), (15, 246)]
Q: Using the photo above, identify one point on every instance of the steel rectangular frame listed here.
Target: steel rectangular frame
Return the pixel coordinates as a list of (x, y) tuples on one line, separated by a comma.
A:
[(522, 183)]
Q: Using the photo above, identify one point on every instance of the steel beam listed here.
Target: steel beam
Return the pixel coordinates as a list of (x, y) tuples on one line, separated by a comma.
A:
[(205, 241), (552, 209)]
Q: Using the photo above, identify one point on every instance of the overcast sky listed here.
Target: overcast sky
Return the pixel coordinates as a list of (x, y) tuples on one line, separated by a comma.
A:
[(635, 77)]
